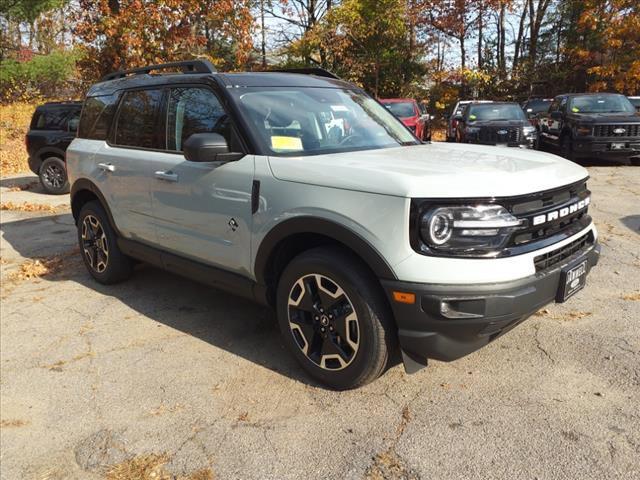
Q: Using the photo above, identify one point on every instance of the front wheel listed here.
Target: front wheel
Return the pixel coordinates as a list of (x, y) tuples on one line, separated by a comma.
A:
[(53, 176), (334, 318)]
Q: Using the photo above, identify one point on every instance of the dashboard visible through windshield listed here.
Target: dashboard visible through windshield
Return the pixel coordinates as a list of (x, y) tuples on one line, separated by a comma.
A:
[(311, 121)]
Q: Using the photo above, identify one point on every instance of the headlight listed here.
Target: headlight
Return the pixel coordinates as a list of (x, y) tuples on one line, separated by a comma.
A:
[(529, 131), (583, 131), (461, 229)]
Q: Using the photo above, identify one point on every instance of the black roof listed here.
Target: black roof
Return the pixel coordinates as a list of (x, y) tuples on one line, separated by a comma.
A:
[(587, 93), (227, 80)]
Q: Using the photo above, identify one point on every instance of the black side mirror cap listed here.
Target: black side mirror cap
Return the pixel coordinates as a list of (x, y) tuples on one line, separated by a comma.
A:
[(209, 147)]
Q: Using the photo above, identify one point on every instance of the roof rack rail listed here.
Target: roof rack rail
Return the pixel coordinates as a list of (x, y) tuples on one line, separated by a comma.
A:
[(187, 66), (319, 72)]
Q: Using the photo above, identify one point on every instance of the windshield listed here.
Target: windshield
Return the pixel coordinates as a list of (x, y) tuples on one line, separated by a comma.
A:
[(311, 121), (401, 109), (537, 106), (610, 103), (491, 112)]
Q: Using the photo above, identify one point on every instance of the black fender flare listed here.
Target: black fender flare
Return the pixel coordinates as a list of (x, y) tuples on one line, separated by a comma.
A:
[(50, 151), (326, 228), (84, 184)]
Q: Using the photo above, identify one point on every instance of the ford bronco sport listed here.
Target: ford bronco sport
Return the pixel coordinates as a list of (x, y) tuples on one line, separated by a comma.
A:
[(361, 237)]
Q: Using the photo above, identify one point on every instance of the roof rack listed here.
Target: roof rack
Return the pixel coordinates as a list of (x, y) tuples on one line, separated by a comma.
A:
[(317, 71), (188, 66)]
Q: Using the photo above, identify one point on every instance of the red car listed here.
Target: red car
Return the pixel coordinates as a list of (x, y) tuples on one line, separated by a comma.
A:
[(409, 112)]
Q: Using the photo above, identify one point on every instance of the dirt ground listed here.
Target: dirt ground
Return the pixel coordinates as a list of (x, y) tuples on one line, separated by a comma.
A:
[(160, 377)]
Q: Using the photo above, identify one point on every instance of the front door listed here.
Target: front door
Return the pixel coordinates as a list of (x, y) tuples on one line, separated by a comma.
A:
[(202, 210)]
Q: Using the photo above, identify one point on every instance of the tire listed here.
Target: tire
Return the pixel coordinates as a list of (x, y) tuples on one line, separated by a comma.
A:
[(566, 150), (53, 176), (328, 288), (98, 243)]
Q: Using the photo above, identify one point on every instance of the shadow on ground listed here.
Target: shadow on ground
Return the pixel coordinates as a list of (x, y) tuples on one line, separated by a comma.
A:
[(225, 321), (632, 222)]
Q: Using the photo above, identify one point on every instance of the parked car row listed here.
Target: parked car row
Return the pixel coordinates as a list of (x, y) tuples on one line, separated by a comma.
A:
[(577, 126)]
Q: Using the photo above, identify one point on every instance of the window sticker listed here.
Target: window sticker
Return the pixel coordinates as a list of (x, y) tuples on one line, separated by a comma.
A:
[(575, 109), (472, 117), (286, 144), (339, 108)]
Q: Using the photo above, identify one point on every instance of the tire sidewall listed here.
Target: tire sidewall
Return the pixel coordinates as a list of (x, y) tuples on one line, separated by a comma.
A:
[(93, 208), (49, 189), (357, 291)]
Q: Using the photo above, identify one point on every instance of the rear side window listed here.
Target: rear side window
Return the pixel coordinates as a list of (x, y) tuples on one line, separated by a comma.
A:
[(96, 117), (195, 110), (137, 119), (50, 119)]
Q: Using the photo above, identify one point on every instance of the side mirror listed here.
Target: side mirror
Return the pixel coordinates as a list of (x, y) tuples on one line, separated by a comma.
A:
[(458, 117), (209, 147), (72, 126)]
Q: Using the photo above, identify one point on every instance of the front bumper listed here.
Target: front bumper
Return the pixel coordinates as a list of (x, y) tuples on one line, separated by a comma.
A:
[(426, 329), (602, 148)]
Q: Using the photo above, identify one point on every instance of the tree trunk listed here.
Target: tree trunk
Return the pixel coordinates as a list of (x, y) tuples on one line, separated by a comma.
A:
[(263, 40), (480, 25), (502, 40), (516, 53)]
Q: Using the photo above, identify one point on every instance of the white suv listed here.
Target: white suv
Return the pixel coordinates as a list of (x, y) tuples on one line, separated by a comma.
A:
[(364, 239)]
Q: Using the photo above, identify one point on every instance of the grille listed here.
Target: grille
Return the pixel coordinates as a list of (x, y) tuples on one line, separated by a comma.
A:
[(549, 259), (547, 202), (490, 135), (608, 130)]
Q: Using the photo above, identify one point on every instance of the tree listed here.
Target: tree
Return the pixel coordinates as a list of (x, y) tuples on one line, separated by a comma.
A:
[(367, 41), (128, 33)]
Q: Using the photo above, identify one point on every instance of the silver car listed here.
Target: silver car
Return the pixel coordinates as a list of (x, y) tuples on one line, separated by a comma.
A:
[(299, 191)]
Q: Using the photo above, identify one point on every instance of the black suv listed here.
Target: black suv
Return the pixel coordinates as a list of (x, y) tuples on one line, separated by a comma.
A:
[(498, 123), (52, 129), (596, 125)]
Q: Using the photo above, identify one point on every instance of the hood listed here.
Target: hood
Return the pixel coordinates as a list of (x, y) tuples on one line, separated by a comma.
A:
[(442, 170), (605, 117)]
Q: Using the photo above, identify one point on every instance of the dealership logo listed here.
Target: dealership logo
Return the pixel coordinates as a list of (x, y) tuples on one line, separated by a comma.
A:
[(502, 132), (562, 212), (619, 131)]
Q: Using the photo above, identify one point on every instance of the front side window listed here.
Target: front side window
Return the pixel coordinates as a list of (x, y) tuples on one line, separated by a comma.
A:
[(494, 112), (311, 121), (195, 110), (607, 103), (137, 119)]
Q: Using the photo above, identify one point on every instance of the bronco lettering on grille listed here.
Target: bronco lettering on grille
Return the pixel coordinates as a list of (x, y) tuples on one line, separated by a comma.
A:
[(562, 212)]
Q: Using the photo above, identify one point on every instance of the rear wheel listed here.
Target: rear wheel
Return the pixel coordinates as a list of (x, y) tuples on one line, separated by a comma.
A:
[(334, 318), (99, 246), (53, 176)]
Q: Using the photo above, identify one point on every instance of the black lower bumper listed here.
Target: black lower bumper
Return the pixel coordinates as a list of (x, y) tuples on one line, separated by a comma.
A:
[(605, 150), (447, 322)]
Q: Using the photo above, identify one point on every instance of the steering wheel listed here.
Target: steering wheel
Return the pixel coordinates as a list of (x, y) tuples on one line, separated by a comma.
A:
[(350, 139)]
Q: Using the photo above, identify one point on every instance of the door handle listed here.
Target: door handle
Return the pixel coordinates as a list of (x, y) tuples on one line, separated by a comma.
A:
[(107, 167), (166, 176)]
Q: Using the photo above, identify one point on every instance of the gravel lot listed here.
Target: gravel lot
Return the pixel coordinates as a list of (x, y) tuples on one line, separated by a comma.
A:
[(163, 371)]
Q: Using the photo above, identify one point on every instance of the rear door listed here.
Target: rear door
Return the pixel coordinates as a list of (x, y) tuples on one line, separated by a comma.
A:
[(202, 210)]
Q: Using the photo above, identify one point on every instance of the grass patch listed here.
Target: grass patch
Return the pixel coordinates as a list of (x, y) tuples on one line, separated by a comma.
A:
[(14, 124), (33, 207), (152, 467)]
